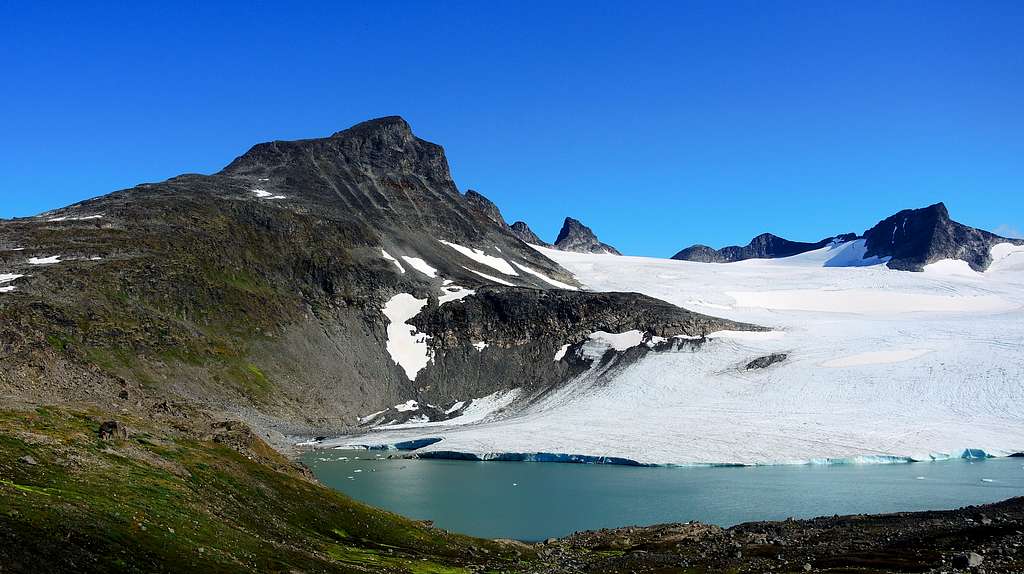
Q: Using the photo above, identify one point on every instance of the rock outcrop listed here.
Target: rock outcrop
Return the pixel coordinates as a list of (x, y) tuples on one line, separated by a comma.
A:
[(914, 238), (579, 238), (521, 230), (485, 207)]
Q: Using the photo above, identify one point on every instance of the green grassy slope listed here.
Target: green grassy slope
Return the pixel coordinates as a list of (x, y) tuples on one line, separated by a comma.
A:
[(168, 500)]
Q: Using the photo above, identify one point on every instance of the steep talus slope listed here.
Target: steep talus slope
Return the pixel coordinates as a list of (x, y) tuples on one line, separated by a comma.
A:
[(574, 236), (260, 290), (914, 238)]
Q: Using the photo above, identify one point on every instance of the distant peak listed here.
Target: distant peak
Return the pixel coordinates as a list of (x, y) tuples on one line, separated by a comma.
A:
[(575, 236), (521, 230)]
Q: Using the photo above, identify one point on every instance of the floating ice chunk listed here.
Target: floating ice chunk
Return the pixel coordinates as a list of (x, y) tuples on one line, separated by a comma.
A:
[(453, 293), (480, 346), (876, 358), (392, 259), (560, 354), (44, 260), (496, 263), (987, 480), (409, 405), (919, 478), (358, 470), (421, 266), (489, 278), (407, 347), (545, 278)]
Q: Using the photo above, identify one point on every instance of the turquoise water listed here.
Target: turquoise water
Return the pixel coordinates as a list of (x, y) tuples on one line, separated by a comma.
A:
[(533, 501)]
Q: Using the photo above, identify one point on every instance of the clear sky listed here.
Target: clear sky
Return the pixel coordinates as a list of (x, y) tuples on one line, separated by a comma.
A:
[(659, 126)]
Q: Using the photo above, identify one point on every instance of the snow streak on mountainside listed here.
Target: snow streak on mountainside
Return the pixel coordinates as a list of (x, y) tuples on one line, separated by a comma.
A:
[(865, 364)]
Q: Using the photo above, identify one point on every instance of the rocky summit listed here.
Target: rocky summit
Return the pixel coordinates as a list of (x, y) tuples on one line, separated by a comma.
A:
[(914, 238), (577, 237), (521, 230)]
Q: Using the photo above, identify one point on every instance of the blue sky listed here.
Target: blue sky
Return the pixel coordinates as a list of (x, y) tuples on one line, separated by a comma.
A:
[(659, 126)]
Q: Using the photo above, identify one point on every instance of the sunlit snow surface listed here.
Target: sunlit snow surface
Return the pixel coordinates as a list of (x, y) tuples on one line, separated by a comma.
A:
[(882, 365)]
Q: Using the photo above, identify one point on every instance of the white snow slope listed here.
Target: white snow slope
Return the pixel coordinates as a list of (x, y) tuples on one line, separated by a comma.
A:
[(883, 366)]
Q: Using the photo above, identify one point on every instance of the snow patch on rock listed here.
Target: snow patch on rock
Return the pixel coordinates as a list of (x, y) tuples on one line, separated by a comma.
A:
[(451, 293), (388, 256), (553, 282), (44, 260), (421, 266), (496, 263), (560, 354), (490, 278), (407, 347)]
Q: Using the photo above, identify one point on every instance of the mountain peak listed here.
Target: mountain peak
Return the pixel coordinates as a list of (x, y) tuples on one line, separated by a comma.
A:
[(577, 237), (385, 146), (387, 125), (913, 238), (484, 207), (521, 230)]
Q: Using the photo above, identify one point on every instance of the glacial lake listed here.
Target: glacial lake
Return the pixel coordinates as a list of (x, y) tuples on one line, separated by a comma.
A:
[(536, 500)]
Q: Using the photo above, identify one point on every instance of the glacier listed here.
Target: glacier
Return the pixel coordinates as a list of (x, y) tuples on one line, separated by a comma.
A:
[(881, 366)]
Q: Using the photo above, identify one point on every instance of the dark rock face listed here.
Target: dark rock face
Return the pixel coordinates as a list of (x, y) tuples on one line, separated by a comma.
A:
[(914, 238), (764, 246), (521, 230), (766, 361), (485, 207), (113, 430), (579, 238)]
